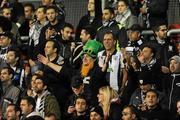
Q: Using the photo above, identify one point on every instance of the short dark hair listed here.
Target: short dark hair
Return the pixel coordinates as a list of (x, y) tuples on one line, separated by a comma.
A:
[(15, 50), (110, 32), (10, 70), (55, 45), (111, 10), (90, 30), (153, 91), (29, 5), (125, 2), (43, 7), (69, 25), (81, 97), (133, 110), (52, 7), (152, 49), (30, 101)]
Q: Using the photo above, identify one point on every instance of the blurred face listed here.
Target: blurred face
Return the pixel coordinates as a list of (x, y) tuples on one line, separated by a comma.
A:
[(67, 33), (40, 14), (28, 12), (151, 99), (109, 42), (10, 113), (4, 41), (178, 107), (107, 15), (11, 58), (162, 33), (95, 116), (33, 83), (39, 86), (100, 96), (87, 59), (178, 47), (84, 36), (127, 115), (174, 66), (80, 105), (25, 107), (5, 76), (91, 6), (121, 7), (133, 35), (51, 15), (7, 13), (77, 91), (147, 53), (47, 2), (145, 88), (49, 50)]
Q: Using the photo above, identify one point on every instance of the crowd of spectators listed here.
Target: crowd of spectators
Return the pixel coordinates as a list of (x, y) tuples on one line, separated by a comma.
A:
[(102, 69)]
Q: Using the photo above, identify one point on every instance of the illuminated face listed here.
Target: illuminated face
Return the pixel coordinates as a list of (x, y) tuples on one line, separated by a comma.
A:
[(47, 2), (7, 13), (151, 99), (147, 53), (109, 42), (80, 105), (95, 116), (39, 86), (174, 66), (11, 57), (162, 33), (127, 114), (5, 76), (87, 59), (84, 36), (107, 15), (178, 107), (28, 12), (51, 15), (25, 107), (10, 113), (91, 6), (49, 48), (121, 7), (40, 14), (67, 33), (100, 96), (4, 41)]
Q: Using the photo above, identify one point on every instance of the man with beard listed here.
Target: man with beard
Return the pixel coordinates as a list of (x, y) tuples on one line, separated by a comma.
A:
[(13, 112), (46, 102), (93, 77)]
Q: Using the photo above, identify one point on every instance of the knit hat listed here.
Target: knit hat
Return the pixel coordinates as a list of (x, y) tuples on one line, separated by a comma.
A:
[(92, 48), (98, 110), (176, 58)]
